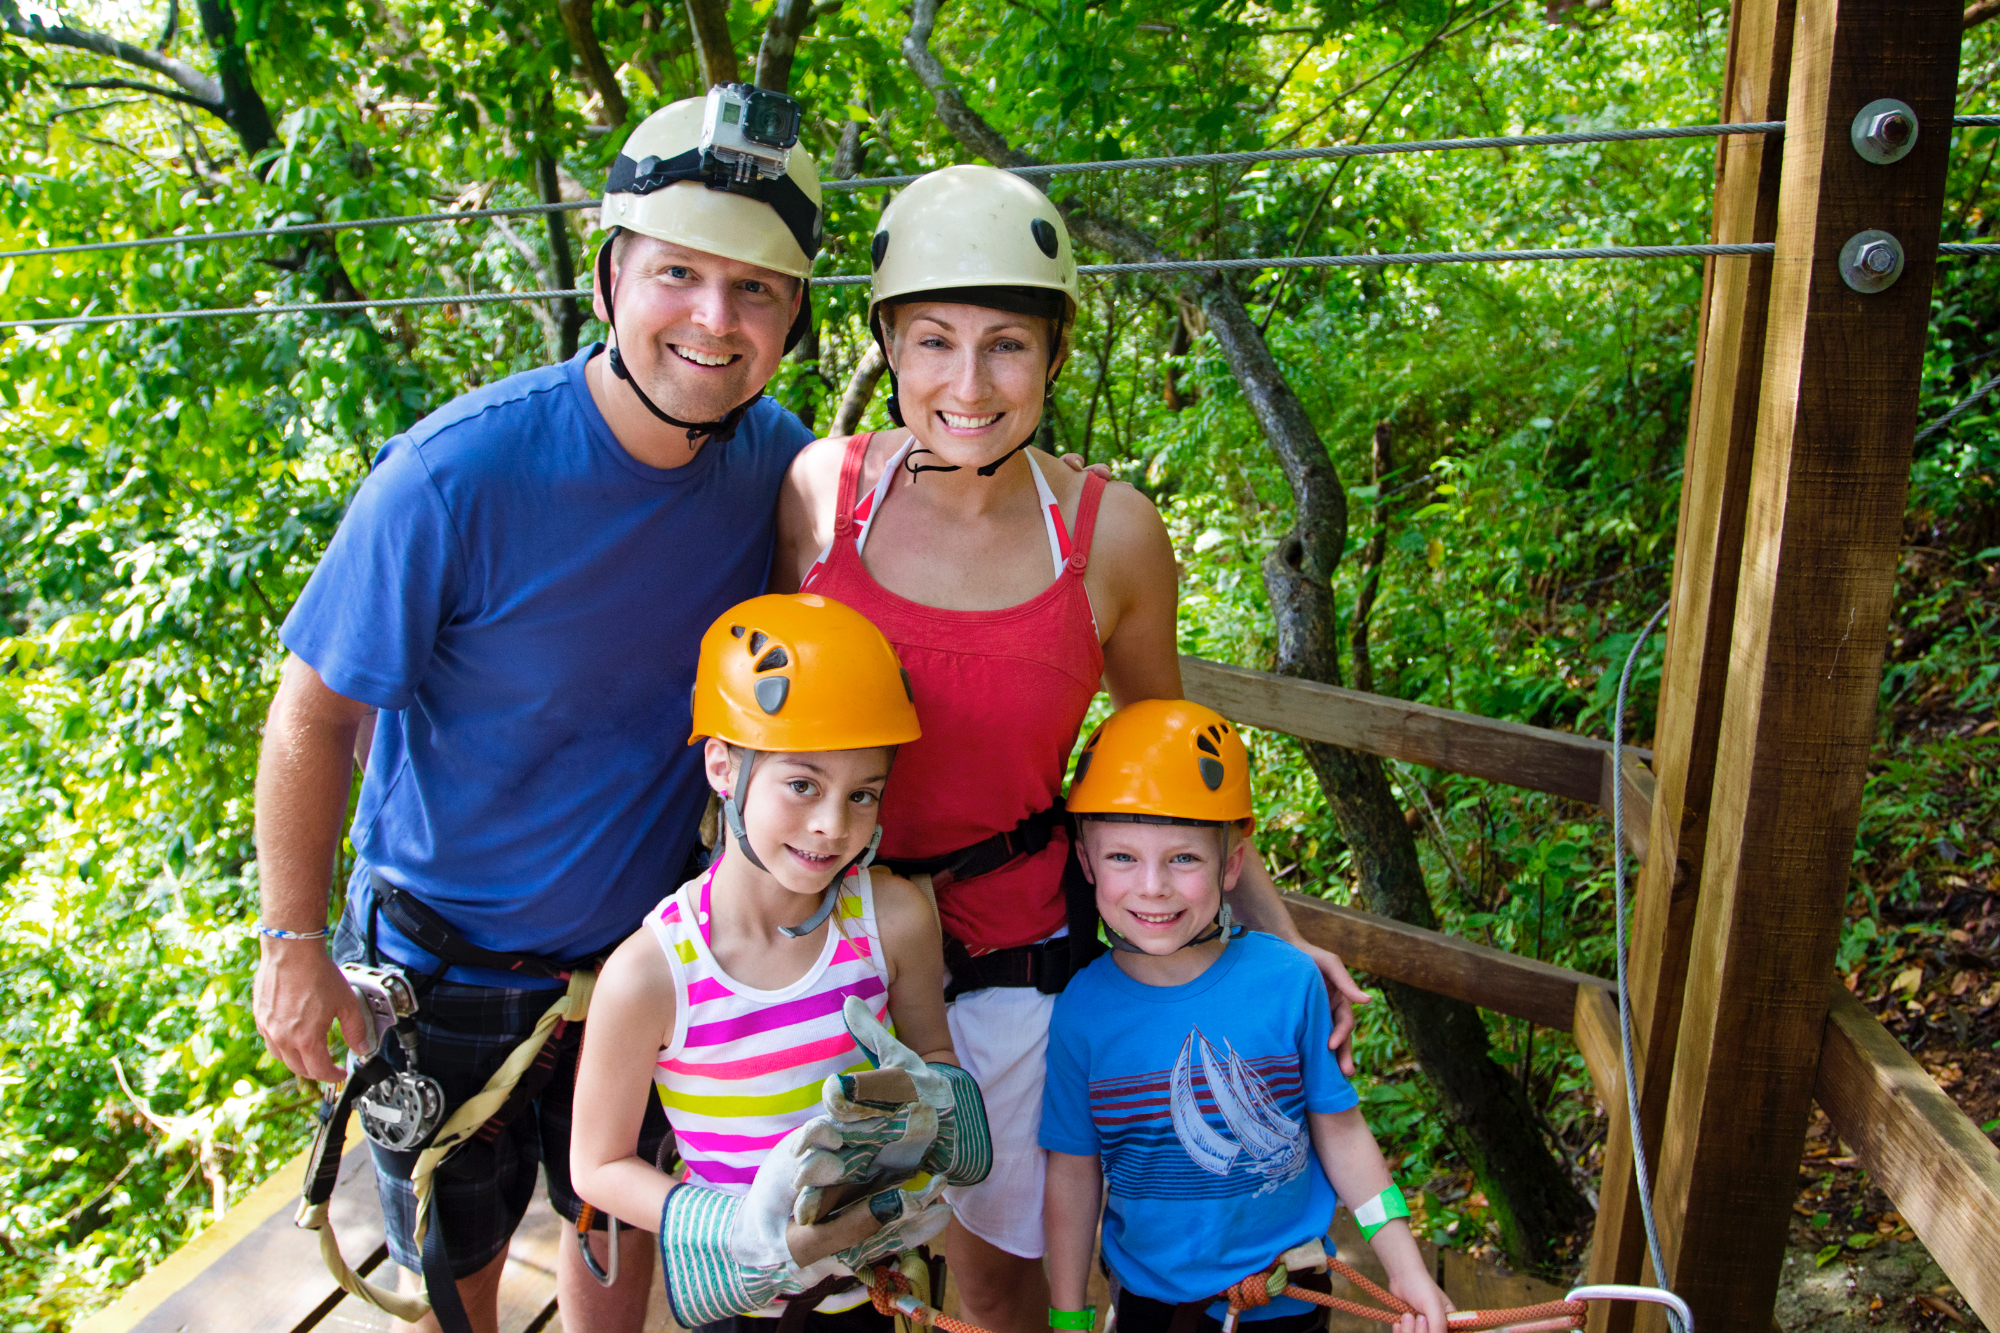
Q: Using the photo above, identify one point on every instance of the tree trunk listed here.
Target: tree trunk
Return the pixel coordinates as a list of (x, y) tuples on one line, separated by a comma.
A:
[(1371, 567), (1532, 1198), (583, 41), (562, 260), (242, 106), (860, 388), (714, 53)]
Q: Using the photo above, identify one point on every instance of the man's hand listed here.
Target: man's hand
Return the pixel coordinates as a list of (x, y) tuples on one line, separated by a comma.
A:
[(1075, 463), (299, 994), (1344, 994)]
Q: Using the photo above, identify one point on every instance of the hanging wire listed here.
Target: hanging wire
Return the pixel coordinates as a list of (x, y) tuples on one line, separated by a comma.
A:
[(1958, 409), (856, 279), (1642, 1177), (1051, 169)]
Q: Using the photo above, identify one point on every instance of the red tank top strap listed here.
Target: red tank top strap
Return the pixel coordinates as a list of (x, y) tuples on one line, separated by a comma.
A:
[(1086, 521), (850, 481)]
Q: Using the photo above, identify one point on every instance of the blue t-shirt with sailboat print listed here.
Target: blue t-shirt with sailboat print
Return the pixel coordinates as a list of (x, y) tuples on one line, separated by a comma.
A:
[(1196, 1098)]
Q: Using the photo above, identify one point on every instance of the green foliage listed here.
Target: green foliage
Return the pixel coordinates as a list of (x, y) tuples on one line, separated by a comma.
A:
[(167, 487)]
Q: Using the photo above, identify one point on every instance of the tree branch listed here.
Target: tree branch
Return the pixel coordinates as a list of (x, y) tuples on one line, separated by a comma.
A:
[(200, 90), (137, 86), (789, 19), (714, 52), (242, 105), (1979, 12), (860, 389), (583, 40)]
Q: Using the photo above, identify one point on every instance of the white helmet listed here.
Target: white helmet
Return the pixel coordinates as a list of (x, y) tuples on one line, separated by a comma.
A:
[(668, 183), (971, 227), (660, 187), (974, 236)]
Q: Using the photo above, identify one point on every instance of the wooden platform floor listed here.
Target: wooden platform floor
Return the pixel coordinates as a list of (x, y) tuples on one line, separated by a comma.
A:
[(255, 1272)]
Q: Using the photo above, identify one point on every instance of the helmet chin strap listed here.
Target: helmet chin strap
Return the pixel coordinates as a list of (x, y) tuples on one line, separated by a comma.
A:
[(732, 814), (719, 432)]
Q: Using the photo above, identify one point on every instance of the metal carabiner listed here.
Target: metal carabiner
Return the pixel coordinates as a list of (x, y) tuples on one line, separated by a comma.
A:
[(607, 1275), (1620, 1291)]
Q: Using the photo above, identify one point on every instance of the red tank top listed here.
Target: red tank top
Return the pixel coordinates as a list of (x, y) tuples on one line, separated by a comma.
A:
[(1001, 695)]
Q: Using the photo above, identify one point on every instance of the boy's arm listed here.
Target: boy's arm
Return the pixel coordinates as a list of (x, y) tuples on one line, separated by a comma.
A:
[(1069, 1226), (1354, 1166), (914, 954), (631, 1017)]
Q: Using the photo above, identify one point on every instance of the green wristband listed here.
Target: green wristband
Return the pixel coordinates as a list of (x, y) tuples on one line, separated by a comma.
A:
[(1380, 1211), (1082, 1320)]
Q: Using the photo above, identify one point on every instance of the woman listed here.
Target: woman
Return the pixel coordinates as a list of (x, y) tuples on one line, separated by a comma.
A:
[(1010, 586)]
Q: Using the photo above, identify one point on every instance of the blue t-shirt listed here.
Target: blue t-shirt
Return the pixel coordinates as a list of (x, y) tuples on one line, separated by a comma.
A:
[(1195, 1098), (523, 600)]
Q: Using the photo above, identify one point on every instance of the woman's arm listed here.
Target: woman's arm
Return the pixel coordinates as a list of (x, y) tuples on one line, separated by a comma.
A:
[(1354, 1165), (1134, 582), (631, 1018), (913, 947), (1069, 1226)]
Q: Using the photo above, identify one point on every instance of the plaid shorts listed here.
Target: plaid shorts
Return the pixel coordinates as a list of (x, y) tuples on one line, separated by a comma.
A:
[(480, 1196)]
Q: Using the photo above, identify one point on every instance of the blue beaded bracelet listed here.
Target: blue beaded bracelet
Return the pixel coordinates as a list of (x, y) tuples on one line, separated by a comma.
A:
[(273, 933)]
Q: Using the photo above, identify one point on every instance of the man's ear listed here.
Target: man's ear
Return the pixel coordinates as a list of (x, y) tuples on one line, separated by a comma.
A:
[(718, 765), (597, 292)]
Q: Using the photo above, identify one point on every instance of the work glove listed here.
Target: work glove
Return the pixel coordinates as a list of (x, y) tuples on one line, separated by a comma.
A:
[(960, 1148), (726, 1254), (908, 1218)]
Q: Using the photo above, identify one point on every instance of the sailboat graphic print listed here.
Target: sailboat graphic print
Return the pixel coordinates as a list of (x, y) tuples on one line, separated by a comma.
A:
[(1268, 1143)]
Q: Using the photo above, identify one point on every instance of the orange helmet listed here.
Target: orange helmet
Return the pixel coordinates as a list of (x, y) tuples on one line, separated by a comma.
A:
[(1164, 759), (800, 673)]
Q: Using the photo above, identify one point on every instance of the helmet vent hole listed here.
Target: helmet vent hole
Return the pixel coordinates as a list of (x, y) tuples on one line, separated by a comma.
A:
[(909, 691), (757, 642), (1211, 773), (1082, 766), (771, 692), (1044, 234), (1206, 746), (736, 631), (878, 249), (772, 660)]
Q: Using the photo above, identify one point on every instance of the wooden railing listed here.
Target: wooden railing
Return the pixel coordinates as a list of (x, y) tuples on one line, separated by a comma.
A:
[(1937, 1167)]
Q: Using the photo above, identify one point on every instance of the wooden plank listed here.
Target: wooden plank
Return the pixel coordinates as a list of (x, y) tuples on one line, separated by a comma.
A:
[(1829, 475), (1520, 756), (1639, 790), (527, 1298), (258, 1278), (1930, 1159), (1595, 1028), (1506, 983), (1729, 351)]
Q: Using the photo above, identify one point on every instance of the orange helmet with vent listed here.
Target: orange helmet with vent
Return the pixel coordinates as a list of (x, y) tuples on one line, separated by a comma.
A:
[(1165, 760), (800, 673)]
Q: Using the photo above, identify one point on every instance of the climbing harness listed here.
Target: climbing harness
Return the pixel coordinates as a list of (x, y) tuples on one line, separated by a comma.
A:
[(401, 1108)]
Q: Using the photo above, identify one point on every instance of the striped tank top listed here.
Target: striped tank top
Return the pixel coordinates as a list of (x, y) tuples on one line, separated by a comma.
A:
[(744, 1066)]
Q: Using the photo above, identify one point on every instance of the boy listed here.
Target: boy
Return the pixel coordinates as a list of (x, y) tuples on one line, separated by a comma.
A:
[(1188, 1067)]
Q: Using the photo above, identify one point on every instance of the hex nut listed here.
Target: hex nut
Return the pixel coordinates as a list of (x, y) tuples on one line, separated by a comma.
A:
[(1885, 131), (1871, 261)]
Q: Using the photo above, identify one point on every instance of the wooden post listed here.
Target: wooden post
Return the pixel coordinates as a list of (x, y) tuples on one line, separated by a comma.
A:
[(1707, 553), (1828, 478)]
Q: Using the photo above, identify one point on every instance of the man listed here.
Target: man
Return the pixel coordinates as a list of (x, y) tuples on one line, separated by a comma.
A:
[(516, 596)]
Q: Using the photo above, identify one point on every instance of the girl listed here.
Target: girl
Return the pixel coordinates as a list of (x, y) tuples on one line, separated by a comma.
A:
[(729, 1000)]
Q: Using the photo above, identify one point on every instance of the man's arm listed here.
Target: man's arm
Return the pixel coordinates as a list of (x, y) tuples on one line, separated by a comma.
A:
[(1255, 902), (1069, 1226), (304, 775)]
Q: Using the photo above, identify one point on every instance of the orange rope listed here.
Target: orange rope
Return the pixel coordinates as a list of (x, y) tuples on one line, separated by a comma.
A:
[(888, 1284), (1255, 1290)]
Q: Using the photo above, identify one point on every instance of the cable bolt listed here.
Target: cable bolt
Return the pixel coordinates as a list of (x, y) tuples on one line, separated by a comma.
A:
[(1871, 261), (1884, 131)]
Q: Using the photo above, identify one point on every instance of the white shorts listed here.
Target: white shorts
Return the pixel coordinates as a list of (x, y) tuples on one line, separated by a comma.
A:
[(1002, 1037)]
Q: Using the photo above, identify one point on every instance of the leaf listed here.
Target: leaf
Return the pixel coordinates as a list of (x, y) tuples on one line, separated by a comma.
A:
[(1827, 1254)]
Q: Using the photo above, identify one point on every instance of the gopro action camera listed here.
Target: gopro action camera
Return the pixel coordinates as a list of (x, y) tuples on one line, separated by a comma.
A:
[(747, 131)]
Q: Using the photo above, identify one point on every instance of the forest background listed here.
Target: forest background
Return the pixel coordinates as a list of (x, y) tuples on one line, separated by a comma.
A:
[(1509, 440)]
